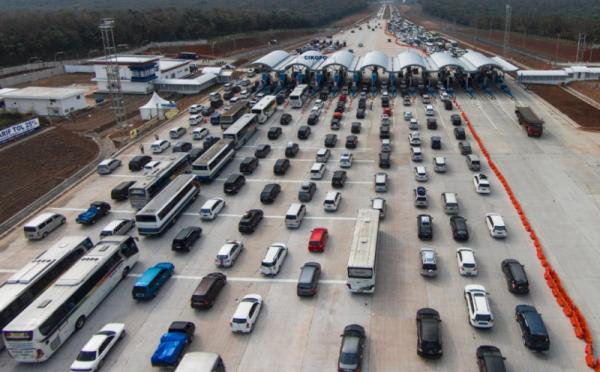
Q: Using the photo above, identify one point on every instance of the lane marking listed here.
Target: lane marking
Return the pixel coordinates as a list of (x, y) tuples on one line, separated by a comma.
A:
[(276, 180), (362, 149), (304, 159)]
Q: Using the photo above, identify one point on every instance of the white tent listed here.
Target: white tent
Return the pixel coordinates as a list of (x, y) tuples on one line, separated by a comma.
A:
[(156, 107)]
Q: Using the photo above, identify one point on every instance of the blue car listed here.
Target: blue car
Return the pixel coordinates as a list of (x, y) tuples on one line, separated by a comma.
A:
[(215, 118), (172, 344), (149, 283), (96, 210)]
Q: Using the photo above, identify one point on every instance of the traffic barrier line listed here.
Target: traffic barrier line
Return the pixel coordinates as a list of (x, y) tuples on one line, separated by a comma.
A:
[(571, 311)]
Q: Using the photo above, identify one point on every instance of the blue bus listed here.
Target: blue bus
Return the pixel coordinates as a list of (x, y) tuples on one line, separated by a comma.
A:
[(152, 279)]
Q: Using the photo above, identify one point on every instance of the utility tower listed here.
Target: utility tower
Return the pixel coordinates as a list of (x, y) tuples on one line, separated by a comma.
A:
[(580, 47), (113, 79), (506, 30)]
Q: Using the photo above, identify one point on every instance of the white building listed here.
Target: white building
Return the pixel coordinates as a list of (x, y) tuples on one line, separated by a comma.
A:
[(563, 76), (174, 68), (45, 101)]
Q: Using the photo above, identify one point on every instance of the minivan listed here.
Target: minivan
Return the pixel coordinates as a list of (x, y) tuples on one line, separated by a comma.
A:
[(195, 119), (185, 238), (295, 215), (137, 163), (339, 179), (42, 225), (273, 260), (436, 142), (117, 227), (121, 191), (211, 208), (381, 181), (308, 281), (415, 154), (450, 203), (318, 239), (159, 146), (107, 166), (229, 253), (317, 171), (175, 133), (473, 162), (147, 286), (269, 193), (428, 260), (234, 183), (332, 201), (323, 155), (516, 277), (151, 166), (207, 291), (248, 165)]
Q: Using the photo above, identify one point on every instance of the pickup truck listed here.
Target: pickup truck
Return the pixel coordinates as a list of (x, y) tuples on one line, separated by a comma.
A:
[(530, 121), (172, 344), (96, 210)]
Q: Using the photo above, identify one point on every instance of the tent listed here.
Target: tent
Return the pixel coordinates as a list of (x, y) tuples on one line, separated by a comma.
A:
[(157, 106)]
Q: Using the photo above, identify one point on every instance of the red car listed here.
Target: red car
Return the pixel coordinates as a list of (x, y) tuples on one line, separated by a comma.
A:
[(387, 111), (342, 98), (338, 115), (318, 239)]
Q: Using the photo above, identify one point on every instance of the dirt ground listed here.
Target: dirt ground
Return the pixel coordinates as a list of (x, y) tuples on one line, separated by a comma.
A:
[(55, 155), (589, 88), (62, 80), (579, 111)]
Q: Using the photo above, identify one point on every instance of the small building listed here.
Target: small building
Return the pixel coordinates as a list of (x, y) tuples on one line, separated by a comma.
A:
[(45, 101), (174, 68), (137, 73), (223, 75), (186, 86)]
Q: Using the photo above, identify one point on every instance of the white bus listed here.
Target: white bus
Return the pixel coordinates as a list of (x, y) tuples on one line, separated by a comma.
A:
[(232, 114), (299, 95), (26, 284), (157, 215), (240, 132), (144, 190), (363, 252), (265, 108), (35, 334), (208, 166)]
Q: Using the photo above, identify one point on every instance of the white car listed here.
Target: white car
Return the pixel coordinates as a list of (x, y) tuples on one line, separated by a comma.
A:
[(319, 103), (211, 208), (195, 109), (481, 183), (478, 305), (229, 253), (107, 166), (495, 224), (246, 314), (346, 160), (413, 124), (151, 166), (414, 138), (323, 155), (316, 110), (92, 355), (274, 258), (467, 265), (159, 146), (177, 132), (407, 115), (200, 133), (420, 174)]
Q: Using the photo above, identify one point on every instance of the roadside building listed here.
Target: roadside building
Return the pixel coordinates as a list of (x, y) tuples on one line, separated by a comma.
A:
[(44, 101)]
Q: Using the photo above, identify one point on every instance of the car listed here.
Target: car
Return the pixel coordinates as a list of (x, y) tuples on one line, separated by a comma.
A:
[(94, 352), (185, 238), (455, 119), (285, 119), (429, 338), (408, 115), (291, 150), (465, 148), (459, 133), (533, 330), (274, 133), (303, 132), (137, 162), (262, 151), (234, 183), (421, 174), (420, 194), (490, 359), (478, 306), (346, 159), (209, 141), (281, 166), (439, 164), (319, 103), (195, 153), (97, 210), (336, 123), (431, 123), (107, 166), (273, 260), (172, 344), (153, 278), (425, 227), (211, 208), (318, 239), (182, 146), (352, 348), (460, 230), (250, 220), (313, 118), (413, 124), (200, 133), (307, 191), (151, 166), (316, 109), (360, 113), (229, 253), (414, 138), (270, 193), (481, 183), (351, 141), (330, 140), (406, 101), (380, 205), (207, 110), (355, 127), (384, 132), (496, 226), (428, 262), (323, 155), (177, 132), (246, 314), (515, 275), (308, 281), (120, 226), (194, 109), (384, 160), (467, 265), (339, 179), (207, 291)]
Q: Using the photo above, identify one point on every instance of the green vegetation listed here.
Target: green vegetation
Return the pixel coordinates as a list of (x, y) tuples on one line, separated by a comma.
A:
[(541, 17), (27, 34), (10, 118)]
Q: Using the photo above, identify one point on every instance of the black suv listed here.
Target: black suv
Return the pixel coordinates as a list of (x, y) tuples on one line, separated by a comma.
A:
[(313, 118), (362, 103), (490, 359), (291, 150), (516, 277), (303, 132), (185, 238), (448, 104), (233, 183), (339, 179), (262, 151), (455, 119), (269, 193), (533, 330), (465, 148), (460, 232), (248, 165), (355, 128), (360, 113), (429, 340), (459, 133), (425, 227), (274, 133), (384, 160), (351, 350), (209, 141), (351, 141), (250, 221), (330, 140), (307, 190), (137, 163), (436, 142), (308, 282), (431, 123), (285, 119), (336, 123), (281, 166), (384, 132)]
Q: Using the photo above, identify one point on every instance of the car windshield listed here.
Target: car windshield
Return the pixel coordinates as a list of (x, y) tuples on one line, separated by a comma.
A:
[(349, 358), (239, 320), (86, 356)]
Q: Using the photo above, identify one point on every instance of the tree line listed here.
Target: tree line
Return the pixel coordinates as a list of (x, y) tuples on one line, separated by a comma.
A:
[(26, 35)]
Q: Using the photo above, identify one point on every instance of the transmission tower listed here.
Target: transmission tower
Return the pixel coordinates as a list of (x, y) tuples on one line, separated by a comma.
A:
[(113, 79), (506, 30), (580, 47)]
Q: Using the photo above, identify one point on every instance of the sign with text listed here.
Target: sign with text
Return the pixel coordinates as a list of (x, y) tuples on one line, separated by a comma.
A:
[(15, 131)]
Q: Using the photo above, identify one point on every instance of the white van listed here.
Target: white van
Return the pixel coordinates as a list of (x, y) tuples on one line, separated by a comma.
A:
[(439, 164), (107, 166), (295, 215), (317, 171), (323, 155), (429, 110), (199, 361), (195, 119), (415, 154), (42, 225), (117, 227), (160, 146), (276, 254), (151, 166), (176, 132), (381, 182), (332, 201), (450, 203), (199, 133), (386, 145), (211, 208)]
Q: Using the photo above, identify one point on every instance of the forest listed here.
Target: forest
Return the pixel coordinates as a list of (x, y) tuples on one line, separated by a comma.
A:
[(540, 17), (41, 34)]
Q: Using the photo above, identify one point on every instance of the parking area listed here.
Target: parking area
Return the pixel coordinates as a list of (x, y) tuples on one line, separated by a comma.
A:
[(298, 334)]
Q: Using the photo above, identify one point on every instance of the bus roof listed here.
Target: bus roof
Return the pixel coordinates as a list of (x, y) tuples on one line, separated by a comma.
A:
[(235, 108), (66, 285), (197, 361), (212, 151), (364, 242), (263, 103), (166, 194), (239, 124), (299, 89), (165, 164)]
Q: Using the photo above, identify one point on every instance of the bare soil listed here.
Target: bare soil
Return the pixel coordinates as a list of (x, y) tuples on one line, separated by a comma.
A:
[(579, 111), (589, 88), (61, 80)]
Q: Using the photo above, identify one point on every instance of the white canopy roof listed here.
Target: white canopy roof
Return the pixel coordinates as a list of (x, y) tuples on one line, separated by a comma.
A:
[(157, 101)]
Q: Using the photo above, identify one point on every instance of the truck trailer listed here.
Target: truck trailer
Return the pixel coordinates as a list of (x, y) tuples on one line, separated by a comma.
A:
[(530, 121)]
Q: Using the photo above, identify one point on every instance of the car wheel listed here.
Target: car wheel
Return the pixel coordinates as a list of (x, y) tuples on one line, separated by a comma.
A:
[(121, 336), (63, 221), (45, 234), (80, 323), (125, 272)]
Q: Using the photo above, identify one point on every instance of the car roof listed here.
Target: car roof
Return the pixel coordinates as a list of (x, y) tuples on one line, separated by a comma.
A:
[(272, 252), (496, 219), (226, 248), (94, 343), (113, 224), (467, 255)]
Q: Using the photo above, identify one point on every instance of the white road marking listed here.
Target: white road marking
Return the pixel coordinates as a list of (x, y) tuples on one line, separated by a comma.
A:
[(125, 175), (295, 181), (304, 159), (362, 149), (249, 279)]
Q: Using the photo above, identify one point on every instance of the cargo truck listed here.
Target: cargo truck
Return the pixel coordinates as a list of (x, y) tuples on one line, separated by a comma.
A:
[(530, 121)]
